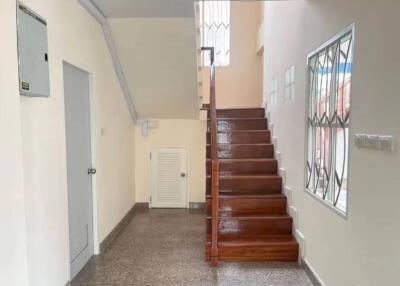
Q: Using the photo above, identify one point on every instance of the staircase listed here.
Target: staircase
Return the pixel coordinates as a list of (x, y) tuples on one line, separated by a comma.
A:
[(253, 224)]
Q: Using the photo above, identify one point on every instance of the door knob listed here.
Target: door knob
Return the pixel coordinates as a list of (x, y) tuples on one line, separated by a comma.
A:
[(183, 175), (92, 171)]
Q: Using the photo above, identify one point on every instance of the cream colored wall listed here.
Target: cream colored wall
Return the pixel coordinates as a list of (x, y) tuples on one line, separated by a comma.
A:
[(158, 56), (173, 133), (240, 83), (74, 36), (13, 260), (363, 249)]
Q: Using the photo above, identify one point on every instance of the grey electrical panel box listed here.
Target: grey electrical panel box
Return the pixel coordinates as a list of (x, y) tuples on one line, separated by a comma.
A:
[(32, 53)]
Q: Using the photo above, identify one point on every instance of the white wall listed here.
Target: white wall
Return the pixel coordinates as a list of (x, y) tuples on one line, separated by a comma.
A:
[(13, 262), (363, 249), (173, 133), (74, 36)]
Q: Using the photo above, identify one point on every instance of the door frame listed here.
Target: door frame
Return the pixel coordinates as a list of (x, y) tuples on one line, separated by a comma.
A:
[(150, 189), (94, 195)]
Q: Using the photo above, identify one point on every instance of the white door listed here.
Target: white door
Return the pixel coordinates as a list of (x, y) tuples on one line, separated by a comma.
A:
[(78, 141), (168, 178)]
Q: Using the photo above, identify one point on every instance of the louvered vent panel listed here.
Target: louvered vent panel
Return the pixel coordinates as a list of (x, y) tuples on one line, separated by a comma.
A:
[(168, 177)]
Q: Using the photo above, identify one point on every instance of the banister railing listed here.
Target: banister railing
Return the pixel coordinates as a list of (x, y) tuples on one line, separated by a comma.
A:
[(214, 162)]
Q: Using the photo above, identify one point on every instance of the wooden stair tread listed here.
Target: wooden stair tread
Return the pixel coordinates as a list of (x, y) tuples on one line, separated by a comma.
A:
[(245, 160), (242, 144), (254, 240), (243, 150), (240, 108), (249, 196), (254, 217), (250, 176), (239, 118), (243, 131)]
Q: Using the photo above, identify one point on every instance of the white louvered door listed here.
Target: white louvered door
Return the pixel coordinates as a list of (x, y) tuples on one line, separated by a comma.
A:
[(168, 178)]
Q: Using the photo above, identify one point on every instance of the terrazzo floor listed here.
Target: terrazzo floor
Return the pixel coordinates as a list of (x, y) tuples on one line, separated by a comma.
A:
[(166, 247)]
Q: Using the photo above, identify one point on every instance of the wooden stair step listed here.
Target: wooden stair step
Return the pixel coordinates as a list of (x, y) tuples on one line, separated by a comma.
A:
[(241, 113), (231, 124), (246, 205), (254, 225), (245, 166), (248, 184), (243, 151), (283, 248), (205, 106), (242, 137)]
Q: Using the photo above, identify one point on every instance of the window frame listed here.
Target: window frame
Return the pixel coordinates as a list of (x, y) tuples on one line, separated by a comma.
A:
[(325, 202), (205, 62)]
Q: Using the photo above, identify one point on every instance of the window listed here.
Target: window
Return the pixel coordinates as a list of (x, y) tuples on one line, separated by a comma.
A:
[(329, 72), (215, 30)]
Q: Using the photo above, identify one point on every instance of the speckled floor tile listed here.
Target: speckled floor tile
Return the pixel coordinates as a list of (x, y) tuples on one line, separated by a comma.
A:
[(166, 248)]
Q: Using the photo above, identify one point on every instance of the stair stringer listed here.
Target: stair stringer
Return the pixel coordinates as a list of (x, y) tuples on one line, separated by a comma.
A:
[(287, 190)]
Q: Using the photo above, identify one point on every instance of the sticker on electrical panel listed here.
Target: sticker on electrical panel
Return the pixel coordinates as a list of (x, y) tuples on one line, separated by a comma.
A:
[(25, 85)]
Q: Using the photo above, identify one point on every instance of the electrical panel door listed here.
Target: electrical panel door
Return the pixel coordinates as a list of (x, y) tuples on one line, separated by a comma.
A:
[(33, 54)]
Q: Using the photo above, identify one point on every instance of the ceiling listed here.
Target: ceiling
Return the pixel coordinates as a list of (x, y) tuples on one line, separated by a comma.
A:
[(145, 8)]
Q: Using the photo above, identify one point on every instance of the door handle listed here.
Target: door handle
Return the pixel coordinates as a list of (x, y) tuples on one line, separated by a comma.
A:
[(92, 171), (183, 175)]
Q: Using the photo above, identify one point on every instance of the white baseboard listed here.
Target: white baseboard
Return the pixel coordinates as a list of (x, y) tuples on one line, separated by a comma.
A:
[(312, 274)]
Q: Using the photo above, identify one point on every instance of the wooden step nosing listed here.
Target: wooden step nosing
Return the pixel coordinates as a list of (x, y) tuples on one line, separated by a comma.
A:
[(242, 144), (241, 108), (245, 160), (260, 242), (249, 197), (240, 119), (256, 217), (254, 243), (253, 131), (255, 197), (249, 177)]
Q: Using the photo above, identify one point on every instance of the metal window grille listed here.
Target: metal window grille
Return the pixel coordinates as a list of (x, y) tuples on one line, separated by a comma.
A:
[(215, 30), (329, 73)]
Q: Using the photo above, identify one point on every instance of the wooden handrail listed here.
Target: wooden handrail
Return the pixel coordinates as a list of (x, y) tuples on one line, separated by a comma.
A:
[(214, 162)]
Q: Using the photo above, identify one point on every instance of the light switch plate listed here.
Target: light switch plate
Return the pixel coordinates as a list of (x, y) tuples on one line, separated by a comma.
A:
[(386, 143), (360, 140), (372, 141)]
